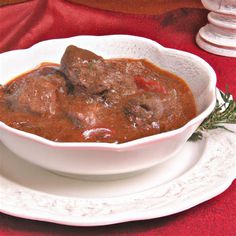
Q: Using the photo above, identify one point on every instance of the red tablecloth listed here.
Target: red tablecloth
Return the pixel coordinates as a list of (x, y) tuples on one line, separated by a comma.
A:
[(25, 24)]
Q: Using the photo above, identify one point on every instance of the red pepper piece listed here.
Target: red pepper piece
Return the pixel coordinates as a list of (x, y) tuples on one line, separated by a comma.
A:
[(149, 85)]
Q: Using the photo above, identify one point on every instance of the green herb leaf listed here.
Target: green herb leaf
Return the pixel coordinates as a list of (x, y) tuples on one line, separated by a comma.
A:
[(223, 113), (197, 135)]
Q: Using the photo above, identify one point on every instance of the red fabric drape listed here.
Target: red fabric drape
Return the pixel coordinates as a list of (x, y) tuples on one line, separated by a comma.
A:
[(25, 24)]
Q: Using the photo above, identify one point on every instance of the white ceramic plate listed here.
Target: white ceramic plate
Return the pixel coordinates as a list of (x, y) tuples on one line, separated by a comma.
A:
[(199, 172)]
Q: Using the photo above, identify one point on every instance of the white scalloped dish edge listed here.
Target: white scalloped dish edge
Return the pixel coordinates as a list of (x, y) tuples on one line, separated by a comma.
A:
[(211, 175), (107, 158)]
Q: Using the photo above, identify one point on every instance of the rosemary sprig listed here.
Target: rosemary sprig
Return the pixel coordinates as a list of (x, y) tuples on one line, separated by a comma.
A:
[(223, 113)]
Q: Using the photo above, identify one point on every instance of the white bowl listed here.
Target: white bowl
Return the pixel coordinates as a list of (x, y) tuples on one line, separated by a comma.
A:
[(107, 158)]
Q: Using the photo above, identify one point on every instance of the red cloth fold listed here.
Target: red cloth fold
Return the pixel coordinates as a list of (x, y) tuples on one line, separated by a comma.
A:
[(25, 24)]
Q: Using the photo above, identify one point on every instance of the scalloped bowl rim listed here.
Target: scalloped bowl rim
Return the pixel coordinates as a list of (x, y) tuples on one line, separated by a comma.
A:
[(129, 144)]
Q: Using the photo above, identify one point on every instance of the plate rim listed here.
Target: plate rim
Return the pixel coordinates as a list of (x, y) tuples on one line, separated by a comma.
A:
[(110, 216)]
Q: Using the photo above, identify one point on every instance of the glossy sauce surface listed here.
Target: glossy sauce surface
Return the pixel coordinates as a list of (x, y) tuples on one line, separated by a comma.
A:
[(114, 100)]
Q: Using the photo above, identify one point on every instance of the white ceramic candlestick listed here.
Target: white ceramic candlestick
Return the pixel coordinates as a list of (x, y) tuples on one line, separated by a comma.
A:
[(219, 35)]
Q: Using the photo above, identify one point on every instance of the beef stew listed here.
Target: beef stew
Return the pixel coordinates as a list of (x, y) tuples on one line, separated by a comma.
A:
[(90, 99)]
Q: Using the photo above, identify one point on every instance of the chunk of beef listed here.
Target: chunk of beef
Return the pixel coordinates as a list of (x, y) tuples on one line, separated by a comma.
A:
[(78, 66), (73, 54), (174, 112), (106, 80), (37, 93), (144, 110), (81, 115)]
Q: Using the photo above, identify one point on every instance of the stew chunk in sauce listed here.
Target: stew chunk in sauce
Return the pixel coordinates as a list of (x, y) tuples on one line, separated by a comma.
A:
[(90, 99)]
